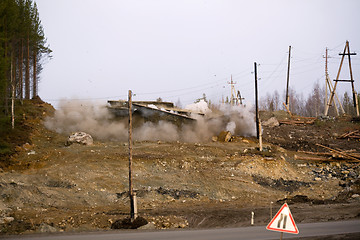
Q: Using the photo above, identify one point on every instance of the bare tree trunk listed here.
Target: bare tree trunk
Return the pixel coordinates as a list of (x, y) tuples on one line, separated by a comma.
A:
[(34, 76), (12, 93), (27, 71), (21, 88), (5, 73)]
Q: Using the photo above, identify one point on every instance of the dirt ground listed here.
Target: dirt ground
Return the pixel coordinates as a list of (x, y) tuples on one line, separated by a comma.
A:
[(50, 187)]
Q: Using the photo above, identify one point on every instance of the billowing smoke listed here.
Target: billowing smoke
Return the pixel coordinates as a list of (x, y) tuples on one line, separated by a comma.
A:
[(200, 107), (74, 116)]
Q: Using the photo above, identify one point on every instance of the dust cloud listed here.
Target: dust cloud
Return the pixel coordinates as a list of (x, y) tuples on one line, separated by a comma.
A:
[(95, 119)]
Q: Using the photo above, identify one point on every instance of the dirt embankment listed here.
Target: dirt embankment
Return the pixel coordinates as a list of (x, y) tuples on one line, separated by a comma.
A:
[(52, 187)]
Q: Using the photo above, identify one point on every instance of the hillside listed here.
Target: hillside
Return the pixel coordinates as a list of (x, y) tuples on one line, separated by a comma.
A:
[(47, 186)]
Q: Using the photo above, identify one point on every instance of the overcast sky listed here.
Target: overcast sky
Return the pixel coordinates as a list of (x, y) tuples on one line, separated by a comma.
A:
[(184, 48)]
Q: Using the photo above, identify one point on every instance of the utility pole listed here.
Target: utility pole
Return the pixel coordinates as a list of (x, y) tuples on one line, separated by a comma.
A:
[(287, 100), (131, 195), (329, 85), (347, 47), (256, 103), (326, 77), (233, 99), (238, 96), (352, 80)]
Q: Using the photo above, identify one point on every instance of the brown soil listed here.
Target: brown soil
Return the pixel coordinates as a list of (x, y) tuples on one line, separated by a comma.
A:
[(196, 185)]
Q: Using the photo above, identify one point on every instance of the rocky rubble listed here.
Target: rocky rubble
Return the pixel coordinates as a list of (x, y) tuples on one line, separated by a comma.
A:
[(81, 138), (168, 222), (334, 171)]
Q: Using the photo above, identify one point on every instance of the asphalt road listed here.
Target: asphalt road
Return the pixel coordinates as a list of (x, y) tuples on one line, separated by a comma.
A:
[(248, 233)]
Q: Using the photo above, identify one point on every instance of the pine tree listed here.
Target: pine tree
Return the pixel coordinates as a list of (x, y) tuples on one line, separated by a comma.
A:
[(22, 45), (27, 24)]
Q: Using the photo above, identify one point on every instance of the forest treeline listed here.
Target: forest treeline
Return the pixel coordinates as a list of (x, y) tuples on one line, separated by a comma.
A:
[(312, 106), (23, 49)]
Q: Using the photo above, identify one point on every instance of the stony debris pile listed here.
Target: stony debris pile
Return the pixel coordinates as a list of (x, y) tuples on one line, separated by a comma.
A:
[(280, 184), (167, 222), (336, 171), (176, 194), (347, 175), (5, 216)]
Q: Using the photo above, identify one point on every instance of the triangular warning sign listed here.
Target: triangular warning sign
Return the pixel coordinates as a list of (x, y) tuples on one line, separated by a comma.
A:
[(283, 221)]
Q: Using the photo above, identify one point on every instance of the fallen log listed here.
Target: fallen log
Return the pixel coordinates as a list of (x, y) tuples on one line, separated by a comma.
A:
[(296, 122), (316, 153), (352, 134), (352, 154), (346, 155), (329, 154), (313, 158)]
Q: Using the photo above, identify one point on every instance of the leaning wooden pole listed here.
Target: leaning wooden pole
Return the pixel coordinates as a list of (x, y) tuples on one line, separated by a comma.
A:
[(130, 159), (334, 89), (330, 86), (287, 100)]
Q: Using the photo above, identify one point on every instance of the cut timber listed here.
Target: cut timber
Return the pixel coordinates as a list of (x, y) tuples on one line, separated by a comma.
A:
[(329, 154), (296, 157), (352, 134), (346, 155), (297, 122), (317, 153)]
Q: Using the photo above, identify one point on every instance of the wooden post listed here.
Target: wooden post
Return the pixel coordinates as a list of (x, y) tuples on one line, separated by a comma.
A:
[(256, 102), (347, 47), (260, 137), (352, 81), (135, 205), (281, 235), (287, 109), (287, 100), (334, 89), (132, 215), (351, 75), (330, 86), (357, 104)]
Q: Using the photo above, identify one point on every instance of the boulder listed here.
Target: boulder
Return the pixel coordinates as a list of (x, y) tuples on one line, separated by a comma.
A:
[(224, 136), (272, 122), (81, 138), (6, 220), (149, 226), (45, 228)]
